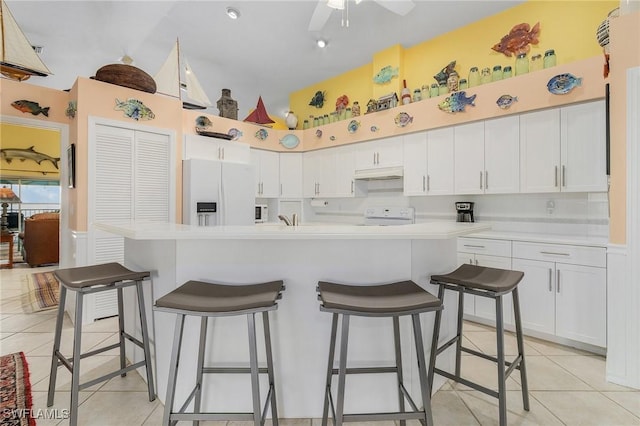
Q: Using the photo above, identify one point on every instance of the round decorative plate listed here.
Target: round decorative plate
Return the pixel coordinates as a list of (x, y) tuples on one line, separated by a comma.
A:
[(353, 125), (290, 141)]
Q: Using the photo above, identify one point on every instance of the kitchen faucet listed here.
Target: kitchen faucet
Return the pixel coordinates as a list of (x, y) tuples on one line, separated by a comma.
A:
[(292, 222)]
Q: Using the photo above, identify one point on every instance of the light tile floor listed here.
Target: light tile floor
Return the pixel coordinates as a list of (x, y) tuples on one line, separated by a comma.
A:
[(567, 386)]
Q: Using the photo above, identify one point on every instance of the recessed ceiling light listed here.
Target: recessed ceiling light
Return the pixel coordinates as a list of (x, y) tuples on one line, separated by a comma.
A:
[(233, 13), (321, 43)]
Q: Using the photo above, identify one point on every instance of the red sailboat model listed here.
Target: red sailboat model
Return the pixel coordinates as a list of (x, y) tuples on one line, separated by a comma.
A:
[(259, 115)]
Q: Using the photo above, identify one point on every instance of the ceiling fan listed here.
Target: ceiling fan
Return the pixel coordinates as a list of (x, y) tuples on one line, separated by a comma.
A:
[(324, 8)]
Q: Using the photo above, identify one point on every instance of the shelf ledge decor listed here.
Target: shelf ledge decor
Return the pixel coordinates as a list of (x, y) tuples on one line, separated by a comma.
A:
[(385, 75), (135, 109), (456, 102), (562, 84)]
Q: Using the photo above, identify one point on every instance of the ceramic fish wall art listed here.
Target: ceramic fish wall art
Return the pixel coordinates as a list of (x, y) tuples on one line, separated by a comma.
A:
[(135, 109), (10, 154), (203, 123), (385, 75), (32, 107), (443, 75), (71, 109), (318, 99), (234, 133), (505, 101), (518, 40), (456, 102), (562, 84), (403, 119), (342, 102), (262, 134)]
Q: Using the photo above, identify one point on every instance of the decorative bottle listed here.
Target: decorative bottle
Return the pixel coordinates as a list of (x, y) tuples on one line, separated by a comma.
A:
[(497, 73), (549, 58), (417, 95), (536, 62), (291, 120), (443, 89), (507, 72), (462, 84), (406, 94), (485, 75), (474, 77), (522, 64), (434, 91), (452, 82)]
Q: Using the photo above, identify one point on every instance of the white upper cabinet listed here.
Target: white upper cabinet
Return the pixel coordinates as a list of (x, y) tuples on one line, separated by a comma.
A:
[(291, 175), (320, 173), (196, 146), (267, 172), (428, 162), (564, 149), (502, 155), (385, 152), (469, 158), (583, 147), (345, 164)]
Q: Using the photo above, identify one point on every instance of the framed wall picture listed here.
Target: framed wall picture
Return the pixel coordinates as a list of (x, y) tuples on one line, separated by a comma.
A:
[(71, 163)]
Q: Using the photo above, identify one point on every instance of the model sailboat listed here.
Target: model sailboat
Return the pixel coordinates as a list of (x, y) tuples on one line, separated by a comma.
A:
[(176, 77), (18, 61)]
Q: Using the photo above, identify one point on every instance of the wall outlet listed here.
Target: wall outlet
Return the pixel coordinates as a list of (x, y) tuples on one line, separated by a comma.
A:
[(551, 205)]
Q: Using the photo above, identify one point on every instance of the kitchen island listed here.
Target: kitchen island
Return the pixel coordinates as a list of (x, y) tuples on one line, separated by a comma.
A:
[(301, 256)]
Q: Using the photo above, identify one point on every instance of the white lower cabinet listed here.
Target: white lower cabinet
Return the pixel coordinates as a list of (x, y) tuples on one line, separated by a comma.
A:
[(564, 290), (492, 254)]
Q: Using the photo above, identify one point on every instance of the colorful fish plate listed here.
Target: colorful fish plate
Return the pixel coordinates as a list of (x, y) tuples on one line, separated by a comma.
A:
[(318, 133), (290, 141), (403, 119), (505, 101), (374, 128), (353, 125), (234, 133), (333, 138), (262, 134), (562, 84)]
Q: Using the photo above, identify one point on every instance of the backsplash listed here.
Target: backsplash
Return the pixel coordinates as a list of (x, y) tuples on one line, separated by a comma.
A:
[(583, 214)]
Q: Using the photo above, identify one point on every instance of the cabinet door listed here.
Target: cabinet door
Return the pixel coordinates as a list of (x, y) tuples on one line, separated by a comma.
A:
[(415, 164), (366, 155), (390, 152), (583, 147), (269, 174), (502, 155), (326, 173), (486, 307), (469, 158), (344, 168), (310, 172), (234, 152), (440, 162), (540, 151), (255, 158), (291, 175), (581, 303), (537, 294)]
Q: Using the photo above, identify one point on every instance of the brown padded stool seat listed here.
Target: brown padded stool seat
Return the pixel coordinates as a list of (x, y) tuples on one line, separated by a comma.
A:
[(104, 274), (384, 299), (200, 296), (482, 278)]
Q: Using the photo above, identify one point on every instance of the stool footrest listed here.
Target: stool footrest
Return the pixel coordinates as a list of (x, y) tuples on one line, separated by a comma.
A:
[(111, 375), (232, 370), (446, 346), (383, 416), (367, 370), (466, 382), (511, 364)]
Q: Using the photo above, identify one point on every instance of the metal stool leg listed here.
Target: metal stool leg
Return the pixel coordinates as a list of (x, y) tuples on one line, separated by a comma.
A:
[(422, 369), (197, 405), (253, 361), (145, 341), (75, 374), (523, 369), (332, 351), (56, 346), (271, 375), (123, 361), (459, 330), (396, 339), (342, 370), (173, 369), (434, 341), (502, 388)]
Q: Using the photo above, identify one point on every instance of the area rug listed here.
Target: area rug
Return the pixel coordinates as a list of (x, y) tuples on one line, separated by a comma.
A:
[(15, 391), (43, 291)]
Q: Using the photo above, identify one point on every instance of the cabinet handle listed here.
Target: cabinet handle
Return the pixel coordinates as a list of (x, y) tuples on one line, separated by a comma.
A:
[(558, 281), (352, 186), (481, 179), (223, 153), (428, 183), (424, 183), (471, 245), (486, 179), (564, 180), (553, 253), (377, 158), (219, 155), (555, 176), (550, 278), (280, 189)]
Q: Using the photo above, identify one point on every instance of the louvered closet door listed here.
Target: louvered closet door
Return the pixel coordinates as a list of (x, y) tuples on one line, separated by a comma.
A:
[(151, 179)]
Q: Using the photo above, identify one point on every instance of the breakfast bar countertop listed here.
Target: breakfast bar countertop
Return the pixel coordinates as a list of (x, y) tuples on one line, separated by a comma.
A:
[(146, 230)]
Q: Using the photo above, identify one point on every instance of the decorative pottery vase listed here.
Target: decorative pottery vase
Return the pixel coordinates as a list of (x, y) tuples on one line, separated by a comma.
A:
[(291, 121), (462, 84), (355, 109), (443, 89), (452, 82), (425, 91), (507, 72), (485, 75), (434, 91), (417, 95), (549, 58), (536, 62), (522, 64), (305, 124), (497, 73)]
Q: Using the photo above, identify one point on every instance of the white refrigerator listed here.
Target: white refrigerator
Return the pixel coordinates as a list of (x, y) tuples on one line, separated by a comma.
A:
[(216, 193)]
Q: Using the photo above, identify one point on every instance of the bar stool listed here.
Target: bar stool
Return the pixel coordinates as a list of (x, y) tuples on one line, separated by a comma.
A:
[(492, 283), (88, 280), (215, 300), (386, 300)]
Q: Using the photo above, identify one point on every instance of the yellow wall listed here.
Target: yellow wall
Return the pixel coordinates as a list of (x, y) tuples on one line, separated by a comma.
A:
[(568, 27)]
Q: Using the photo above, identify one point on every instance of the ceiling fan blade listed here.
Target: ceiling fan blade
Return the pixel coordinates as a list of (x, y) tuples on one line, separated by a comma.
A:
[(399, 7), (320, 16)]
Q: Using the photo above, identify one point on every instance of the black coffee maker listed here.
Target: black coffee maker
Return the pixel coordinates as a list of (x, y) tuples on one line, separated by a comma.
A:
[(465, 211)]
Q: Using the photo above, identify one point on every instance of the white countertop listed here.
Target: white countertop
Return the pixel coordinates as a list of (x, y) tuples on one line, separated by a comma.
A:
[(138, 230), (576, 240)]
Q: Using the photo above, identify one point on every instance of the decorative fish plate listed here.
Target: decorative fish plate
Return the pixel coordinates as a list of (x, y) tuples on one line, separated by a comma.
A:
[(234, 133), (562, 84), (353, 125), (262, 134), (290, 141)]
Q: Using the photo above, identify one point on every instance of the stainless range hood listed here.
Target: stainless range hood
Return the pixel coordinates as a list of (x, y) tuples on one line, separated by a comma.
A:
[(381, 173)]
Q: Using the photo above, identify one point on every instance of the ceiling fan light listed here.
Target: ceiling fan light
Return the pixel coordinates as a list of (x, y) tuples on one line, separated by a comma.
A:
[(336, 4), (233, 13)]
